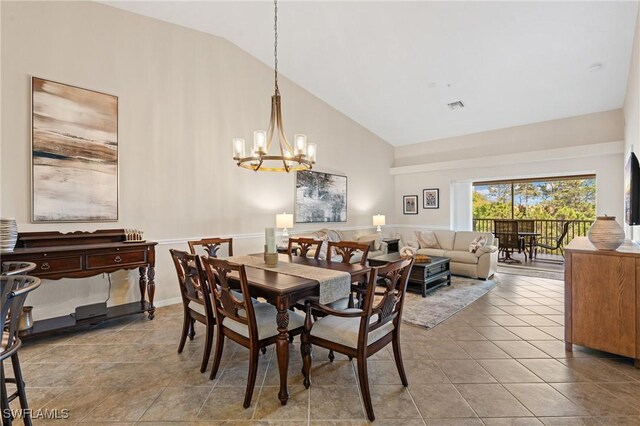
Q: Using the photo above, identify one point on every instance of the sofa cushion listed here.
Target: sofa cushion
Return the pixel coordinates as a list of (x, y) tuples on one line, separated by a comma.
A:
[(347, 235), (464, 238), (374, 239), (462, 257), (446, 239), (427, 239), (376, 253), (431, 252)]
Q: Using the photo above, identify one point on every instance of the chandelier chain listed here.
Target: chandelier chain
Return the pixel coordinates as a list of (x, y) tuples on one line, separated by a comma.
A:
[(275, 44)]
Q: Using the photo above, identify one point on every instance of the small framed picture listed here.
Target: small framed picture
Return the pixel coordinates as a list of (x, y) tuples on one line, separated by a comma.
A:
[(410, 204), (431, 198)]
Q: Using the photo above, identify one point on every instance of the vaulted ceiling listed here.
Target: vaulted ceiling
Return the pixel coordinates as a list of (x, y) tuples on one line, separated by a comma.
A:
[(394, 66)]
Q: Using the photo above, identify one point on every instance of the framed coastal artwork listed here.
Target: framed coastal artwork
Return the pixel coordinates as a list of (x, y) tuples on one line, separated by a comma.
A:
[(74, 153), (410, 204), (430, 198), (320, 197)]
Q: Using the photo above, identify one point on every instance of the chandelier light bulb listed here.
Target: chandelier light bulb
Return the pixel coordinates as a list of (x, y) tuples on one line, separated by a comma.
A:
[(238, 148)]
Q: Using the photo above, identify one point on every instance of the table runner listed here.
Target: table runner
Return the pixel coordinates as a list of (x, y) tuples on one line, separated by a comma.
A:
[(334, 285)]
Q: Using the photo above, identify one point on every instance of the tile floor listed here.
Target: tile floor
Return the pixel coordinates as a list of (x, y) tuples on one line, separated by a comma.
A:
[(500, 361)]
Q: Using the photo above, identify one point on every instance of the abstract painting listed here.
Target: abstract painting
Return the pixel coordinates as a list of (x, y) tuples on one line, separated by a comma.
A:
[(430, 198), (320, 197), (74, 148)]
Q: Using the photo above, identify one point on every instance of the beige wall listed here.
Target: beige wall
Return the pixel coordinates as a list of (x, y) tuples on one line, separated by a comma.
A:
[(580, 130), (182, 96), (632, 110), (535, 150)]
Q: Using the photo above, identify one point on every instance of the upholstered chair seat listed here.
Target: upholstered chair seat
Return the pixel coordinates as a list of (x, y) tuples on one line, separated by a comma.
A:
[(266, 322), (345, 331)]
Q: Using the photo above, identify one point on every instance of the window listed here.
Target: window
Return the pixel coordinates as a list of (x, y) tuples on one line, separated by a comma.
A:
[(565, 198)]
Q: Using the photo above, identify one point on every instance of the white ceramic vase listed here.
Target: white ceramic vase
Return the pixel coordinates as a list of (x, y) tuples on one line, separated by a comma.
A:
[(605, 233)]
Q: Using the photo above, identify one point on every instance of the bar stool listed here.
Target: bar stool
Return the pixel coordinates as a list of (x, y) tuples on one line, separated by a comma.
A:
[(13, 293), (17, 268)]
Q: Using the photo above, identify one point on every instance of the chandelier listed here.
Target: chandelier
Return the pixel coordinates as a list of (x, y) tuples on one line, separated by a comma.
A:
[(302, 156)]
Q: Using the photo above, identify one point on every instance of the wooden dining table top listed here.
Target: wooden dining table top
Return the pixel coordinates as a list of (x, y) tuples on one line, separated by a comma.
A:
[(280, 283)]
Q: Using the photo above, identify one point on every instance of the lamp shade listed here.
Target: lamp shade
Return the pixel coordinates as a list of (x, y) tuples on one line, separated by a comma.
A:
[(378, 220), (284, 220)]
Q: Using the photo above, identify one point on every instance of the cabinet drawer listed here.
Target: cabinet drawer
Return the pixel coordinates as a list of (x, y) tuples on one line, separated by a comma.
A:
[(97, 261), (57, 265)]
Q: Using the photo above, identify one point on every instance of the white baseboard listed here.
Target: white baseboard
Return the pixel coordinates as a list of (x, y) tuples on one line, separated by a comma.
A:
[(167, 302)]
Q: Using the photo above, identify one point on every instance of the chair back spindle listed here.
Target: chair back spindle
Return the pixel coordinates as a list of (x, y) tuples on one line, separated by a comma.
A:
[(348, 249), (391, 300), (304, 245), (226, 304), (192, 286), (211, 246)]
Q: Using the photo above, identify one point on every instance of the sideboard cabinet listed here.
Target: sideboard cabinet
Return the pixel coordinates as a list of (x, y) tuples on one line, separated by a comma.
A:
[(602, 298), (85, 254)]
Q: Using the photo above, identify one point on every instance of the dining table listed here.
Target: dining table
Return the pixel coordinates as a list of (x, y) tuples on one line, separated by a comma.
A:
[(284, 292)]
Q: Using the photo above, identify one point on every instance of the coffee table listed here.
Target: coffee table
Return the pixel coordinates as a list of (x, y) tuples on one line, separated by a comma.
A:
[(428, 276)]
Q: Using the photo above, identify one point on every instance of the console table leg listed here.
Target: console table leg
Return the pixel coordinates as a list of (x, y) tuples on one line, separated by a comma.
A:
[(143, 283), (568, 346), (151, 290), (636, 363)]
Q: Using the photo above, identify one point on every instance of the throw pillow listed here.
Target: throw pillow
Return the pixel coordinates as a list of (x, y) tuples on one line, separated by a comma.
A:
[(477, 243), (427, 239), (374, 239), (324, 246)]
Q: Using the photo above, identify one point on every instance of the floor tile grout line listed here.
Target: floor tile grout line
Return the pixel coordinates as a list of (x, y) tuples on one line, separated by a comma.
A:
[(264, 378), (406, 388)]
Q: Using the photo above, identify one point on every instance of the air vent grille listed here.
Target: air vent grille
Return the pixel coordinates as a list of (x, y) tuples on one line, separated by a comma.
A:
[(455, 105)]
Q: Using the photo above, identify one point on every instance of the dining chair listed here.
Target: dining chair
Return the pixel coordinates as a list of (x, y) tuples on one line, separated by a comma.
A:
[(349, 252), (13, 293), (302, 246), (196, 302), (558, 243), (211, 246), (509, 241), (252, 326), (360, 333), (17, 268)]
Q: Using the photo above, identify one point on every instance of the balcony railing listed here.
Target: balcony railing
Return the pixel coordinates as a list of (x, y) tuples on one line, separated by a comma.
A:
[(549, 229)]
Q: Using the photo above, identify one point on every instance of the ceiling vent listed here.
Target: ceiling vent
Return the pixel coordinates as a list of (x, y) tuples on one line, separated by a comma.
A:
[(455, 105)]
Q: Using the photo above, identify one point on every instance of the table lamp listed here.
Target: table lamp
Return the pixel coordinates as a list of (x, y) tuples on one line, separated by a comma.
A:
[(284, 221), (378, 220)]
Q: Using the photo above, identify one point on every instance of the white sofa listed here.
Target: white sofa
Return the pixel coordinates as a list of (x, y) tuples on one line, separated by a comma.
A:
[(361, 235), (455, 245)]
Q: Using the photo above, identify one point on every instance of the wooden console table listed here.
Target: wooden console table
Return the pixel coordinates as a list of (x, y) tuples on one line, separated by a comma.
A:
[(85, 254), (602, 298)]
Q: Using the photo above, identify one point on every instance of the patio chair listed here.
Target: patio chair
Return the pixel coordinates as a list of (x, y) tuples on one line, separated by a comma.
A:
[(557, 245), (506, 230)]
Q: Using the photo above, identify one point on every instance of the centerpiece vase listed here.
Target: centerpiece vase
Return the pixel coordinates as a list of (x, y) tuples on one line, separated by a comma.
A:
[(605, 233)]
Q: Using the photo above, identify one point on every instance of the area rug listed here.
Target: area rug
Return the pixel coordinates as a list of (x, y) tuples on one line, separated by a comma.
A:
[(444, 301), (531, 272)]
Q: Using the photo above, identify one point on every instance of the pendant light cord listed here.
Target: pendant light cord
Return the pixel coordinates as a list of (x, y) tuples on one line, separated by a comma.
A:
[(275, 44)]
